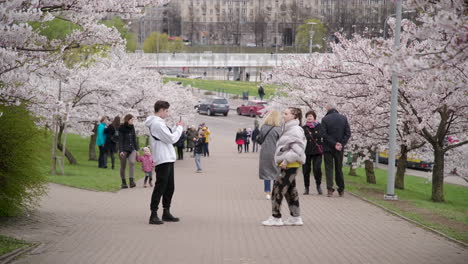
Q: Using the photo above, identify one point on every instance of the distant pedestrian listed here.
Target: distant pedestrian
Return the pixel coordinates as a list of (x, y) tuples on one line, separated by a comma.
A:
[(112, 139), (313, 151), (198, 150), (246, 134), (267, 138), (147, 165), (100, 142), (261, 92), (255, 133), (191, 134), (162, 138), (289, 155), (336, 132), (180, 145), (240, 140), (206, 135), (128, 147)]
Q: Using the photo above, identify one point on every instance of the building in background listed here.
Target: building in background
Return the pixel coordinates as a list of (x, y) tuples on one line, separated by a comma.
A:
[(261, 23)]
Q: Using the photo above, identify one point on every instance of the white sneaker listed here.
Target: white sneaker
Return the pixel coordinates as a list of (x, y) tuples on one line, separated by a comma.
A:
[(273, 221), (293, 221), (268, 197)]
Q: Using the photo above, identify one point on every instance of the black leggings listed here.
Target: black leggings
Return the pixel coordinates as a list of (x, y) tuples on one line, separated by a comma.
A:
[(239, 148)]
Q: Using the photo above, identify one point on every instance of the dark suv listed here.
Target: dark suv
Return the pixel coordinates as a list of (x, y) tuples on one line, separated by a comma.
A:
[(214, 105)]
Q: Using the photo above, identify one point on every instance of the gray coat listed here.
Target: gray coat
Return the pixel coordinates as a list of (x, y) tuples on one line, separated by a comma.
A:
[(268, 170)]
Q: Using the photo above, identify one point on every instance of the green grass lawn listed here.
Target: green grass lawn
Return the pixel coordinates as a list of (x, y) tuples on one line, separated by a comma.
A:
[(8, 244), (450, 217), (86, 174), (231, 87)]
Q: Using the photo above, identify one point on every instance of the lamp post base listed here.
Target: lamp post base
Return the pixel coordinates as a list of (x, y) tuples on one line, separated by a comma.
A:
[(390, 197)]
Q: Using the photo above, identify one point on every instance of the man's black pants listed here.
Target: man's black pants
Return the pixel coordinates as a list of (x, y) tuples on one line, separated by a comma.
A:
[(313, 162), (334, 161), (102, 160), (164, 186)]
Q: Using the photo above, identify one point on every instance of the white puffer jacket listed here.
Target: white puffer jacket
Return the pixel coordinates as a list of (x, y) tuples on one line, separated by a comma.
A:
[(291, 145)]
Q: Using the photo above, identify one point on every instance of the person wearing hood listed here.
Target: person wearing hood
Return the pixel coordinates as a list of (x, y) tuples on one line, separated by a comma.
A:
[(336, 132), (289, 156), (128, 147), (161, 141)]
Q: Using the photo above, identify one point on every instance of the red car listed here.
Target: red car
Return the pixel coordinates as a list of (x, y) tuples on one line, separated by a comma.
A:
[(252, 108)]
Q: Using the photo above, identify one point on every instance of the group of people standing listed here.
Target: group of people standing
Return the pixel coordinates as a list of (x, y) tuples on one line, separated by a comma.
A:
[(288, 145), (243, 137), (190, 136)]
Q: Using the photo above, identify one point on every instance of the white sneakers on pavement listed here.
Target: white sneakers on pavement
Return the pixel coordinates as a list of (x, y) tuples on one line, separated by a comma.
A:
[(293, 221), (273, 221)]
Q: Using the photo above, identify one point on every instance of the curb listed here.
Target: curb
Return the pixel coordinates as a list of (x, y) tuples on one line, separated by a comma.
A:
[(11, 256), (461, 243)]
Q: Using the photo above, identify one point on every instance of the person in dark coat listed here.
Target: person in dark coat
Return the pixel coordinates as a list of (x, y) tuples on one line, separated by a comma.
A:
[(239, 140), (255, 133), (191, 134), (261, 92), (128, 147), (313, 151), (246, 135), (335, 132), (112, 139), (180, 145)]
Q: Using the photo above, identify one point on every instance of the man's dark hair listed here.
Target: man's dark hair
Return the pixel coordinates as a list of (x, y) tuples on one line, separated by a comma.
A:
[(311, 112), (161, 105)]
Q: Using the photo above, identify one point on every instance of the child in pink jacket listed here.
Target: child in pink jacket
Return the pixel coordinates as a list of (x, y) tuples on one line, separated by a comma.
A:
[(147, 165)]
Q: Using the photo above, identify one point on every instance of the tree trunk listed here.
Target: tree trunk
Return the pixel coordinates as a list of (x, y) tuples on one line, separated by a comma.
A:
[(438, 176), (370, 175), (68, 154), (352, 168), (92, 144), (401, 168)]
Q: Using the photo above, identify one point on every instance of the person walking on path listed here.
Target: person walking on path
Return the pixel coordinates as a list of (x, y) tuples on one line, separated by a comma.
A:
[(289, 155), (255, 133), (246, 135), (180, 144), (313, 151), (239, 140), (336, 133), (101, 141), (191, 134), (198, 150), (162, 139), (267, 138), (112, 139), (128, 147), (206, 135), (261, 92), (147, 165)]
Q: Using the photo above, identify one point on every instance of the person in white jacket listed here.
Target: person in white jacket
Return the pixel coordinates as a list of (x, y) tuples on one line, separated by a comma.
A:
[(289, 156), (162, 139)]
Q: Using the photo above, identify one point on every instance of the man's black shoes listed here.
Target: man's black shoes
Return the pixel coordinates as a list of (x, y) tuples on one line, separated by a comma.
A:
[(168, 217)]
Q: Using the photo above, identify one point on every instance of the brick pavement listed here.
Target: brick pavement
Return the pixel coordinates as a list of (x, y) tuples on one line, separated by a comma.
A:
[(221, 210)]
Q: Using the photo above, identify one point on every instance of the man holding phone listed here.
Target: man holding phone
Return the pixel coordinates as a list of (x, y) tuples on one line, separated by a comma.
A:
[(164, 156)]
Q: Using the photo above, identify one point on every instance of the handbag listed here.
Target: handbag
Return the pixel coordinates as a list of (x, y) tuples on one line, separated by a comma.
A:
[(319, 147), (263, 139)]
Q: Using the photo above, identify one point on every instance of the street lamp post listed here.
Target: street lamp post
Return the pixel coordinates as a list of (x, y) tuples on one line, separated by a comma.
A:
[(385, 30), (390, 195), (311, 33)]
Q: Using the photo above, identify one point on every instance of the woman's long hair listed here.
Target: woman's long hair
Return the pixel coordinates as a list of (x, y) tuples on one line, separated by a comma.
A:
[(116, 122), (127, 118)]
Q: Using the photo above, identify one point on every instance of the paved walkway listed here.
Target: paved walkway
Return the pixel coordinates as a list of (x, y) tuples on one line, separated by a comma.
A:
[(221, 211)]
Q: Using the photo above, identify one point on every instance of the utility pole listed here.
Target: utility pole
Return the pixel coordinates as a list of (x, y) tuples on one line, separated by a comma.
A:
[(311, 36)]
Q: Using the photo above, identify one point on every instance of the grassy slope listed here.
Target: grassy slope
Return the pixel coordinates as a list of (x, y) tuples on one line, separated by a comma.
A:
[(8, 244), (86, 174), (414, 202), (231, 87)]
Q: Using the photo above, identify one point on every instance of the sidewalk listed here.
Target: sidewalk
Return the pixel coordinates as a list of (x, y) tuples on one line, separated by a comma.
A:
[(221, 210)]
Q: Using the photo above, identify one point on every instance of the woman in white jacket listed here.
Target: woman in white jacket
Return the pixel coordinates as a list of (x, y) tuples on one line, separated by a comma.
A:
[(289, 156)]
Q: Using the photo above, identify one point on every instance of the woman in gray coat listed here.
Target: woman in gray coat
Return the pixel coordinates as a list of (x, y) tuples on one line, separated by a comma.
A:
[(269, 134)]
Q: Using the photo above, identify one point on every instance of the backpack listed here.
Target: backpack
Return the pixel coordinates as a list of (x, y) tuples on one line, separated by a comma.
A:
[(115, 138)]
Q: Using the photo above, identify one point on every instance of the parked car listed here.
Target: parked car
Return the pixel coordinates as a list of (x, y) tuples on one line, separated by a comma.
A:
[(214, 105), (252, 108), (413, 161)]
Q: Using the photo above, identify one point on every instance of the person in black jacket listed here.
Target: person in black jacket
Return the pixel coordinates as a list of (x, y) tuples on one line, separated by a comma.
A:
[(255, 133), (128, 147), (180, 144), (336, 132), (112, 139), (199, 141), (239, 140), (246, 135), (313, 151)]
